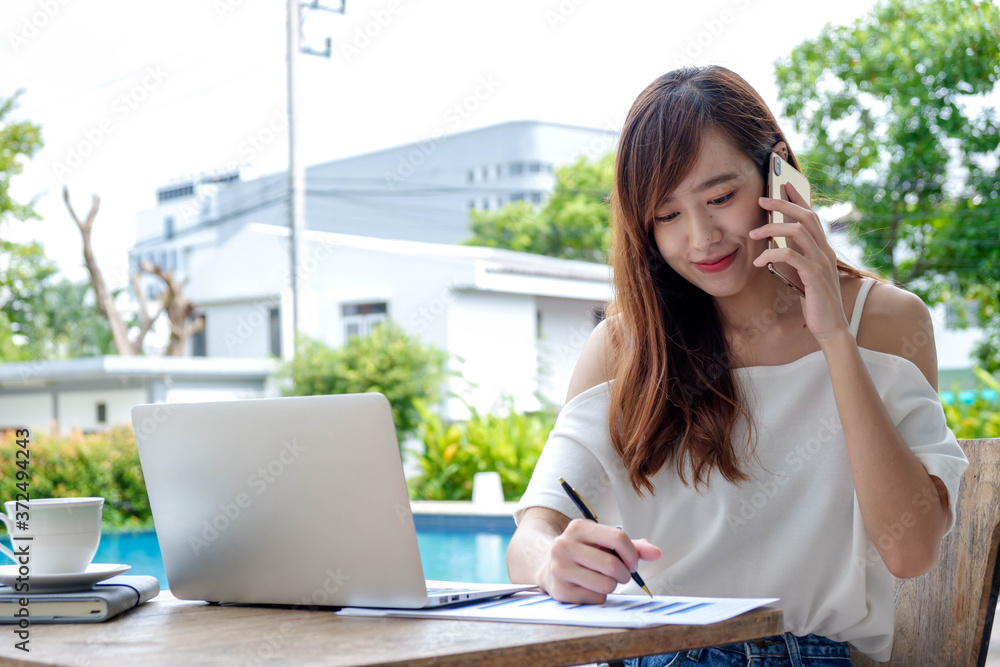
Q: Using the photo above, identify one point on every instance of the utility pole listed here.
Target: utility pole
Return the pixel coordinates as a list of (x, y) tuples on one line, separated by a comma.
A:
[(296, 170)]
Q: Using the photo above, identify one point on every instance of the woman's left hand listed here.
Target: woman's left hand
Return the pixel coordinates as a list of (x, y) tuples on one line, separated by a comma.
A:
[(808, 252)]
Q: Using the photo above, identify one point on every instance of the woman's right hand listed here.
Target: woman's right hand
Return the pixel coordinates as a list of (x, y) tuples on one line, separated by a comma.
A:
[(582, 566)]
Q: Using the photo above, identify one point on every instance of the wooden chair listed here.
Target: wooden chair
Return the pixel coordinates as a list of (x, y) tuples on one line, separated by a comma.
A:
[(944, 617)]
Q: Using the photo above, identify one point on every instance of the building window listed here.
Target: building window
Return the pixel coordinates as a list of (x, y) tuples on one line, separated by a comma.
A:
[(168, 227), (471, 175), (498, 171), (102, 413), (516, 168), (535, 167), (472, 204), (517, 196), (537, 197), (486, 173), (360, 318), (199, 347), (166, 194), (486, 204), (274, 320)]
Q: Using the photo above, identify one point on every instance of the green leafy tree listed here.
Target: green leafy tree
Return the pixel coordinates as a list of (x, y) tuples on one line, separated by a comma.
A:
[(18, 140), (23, 267), (573, 223), (74, 326), (890, 108), (388, 361), (24, 332)]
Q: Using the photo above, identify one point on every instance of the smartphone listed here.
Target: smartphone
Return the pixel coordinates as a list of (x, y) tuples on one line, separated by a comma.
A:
[(779, 172)]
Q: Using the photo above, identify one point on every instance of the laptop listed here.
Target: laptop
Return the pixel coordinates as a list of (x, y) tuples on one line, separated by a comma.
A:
[(292, 501)]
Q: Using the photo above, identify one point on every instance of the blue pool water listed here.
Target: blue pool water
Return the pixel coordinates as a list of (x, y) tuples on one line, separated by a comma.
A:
[(451, 548)]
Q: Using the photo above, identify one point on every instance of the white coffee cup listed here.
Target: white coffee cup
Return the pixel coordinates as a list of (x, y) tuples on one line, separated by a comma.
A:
[(53, 535)]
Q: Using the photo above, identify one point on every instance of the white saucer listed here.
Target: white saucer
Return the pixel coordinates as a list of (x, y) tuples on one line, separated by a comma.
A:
[(62, 583)]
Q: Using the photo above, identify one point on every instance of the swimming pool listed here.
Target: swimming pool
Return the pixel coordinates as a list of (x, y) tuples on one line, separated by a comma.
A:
[(456, 548)]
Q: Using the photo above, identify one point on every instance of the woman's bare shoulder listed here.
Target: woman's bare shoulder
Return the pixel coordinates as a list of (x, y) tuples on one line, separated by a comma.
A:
[(594, 365), (897, 322)]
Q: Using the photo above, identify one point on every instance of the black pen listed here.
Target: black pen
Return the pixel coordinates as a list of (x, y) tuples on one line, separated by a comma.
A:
[(589, 514)]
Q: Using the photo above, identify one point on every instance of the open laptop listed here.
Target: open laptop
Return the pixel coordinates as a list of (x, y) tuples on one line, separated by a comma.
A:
[(295, 500)]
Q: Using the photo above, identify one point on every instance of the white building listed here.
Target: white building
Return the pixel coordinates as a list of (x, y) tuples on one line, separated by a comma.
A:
[(514, 323), (381, 229), (420, 192)]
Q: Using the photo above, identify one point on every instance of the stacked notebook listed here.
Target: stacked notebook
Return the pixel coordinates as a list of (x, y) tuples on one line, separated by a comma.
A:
[(106, 600)]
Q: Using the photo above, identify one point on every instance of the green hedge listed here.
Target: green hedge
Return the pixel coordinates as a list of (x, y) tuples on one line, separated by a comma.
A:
[(102, 464)]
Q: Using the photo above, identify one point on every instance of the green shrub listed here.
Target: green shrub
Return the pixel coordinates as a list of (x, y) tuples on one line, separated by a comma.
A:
[(102, 464), (388, 361), (981, 417), (508, 443)]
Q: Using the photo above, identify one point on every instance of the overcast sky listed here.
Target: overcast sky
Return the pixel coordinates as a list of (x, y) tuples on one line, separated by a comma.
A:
[(132, 96)]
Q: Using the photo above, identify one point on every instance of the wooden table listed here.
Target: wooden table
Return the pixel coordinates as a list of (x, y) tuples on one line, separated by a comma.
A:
[(167, 631)]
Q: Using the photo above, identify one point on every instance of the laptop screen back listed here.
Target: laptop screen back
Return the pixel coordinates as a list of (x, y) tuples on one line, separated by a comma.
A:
[(296, 500)]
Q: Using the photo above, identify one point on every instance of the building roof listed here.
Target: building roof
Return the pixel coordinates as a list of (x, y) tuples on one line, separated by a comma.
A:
[(496, 260), (41, 373)]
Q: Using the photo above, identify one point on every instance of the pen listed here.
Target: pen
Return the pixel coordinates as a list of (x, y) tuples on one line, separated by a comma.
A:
[(589, 514)]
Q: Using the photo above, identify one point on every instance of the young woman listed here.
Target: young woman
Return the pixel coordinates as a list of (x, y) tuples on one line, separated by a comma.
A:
[(748, 441)]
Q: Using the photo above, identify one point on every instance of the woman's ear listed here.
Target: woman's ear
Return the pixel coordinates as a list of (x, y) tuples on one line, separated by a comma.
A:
[(781, 148)]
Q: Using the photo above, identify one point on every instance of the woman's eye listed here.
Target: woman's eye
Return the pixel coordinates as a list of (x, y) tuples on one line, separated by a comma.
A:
[(665, 218), (722, 200)]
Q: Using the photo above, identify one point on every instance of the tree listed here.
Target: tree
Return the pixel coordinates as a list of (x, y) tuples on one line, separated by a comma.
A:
[(388, 361), (23, 329), (175, 303), (17, 141), (573, 224), (179, 309), (23, 267), (887, 105), (125, 345), (74, 328)]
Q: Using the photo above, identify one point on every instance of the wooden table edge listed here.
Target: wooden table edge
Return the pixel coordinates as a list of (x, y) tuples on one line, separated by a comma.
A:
[(595, 645), (612, 644)]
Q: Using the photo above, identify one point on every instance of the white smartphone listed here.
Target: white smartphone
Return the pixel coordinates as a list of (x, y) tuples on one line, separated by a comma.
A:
[(779, 172)]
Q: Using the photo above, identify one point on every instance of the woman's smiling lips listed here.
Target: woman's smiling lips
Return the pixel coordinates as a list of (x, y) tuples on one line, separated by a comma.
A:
[(718, 264)]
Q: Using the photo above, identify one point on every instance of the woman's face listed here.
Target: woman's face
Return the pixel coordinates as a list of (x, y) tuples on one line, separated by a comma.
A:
[(702, 229)]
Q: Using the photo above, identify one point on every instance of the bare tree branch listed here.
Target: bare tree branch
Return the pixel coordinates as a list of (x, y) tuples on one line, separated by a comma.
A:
[(105, 300), (146, 320), (178, 307), (179, 310)]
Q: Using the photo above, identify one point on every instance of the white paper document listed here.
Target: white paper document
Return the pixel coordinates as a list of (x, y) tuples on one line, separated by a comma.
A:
[(619, 611)]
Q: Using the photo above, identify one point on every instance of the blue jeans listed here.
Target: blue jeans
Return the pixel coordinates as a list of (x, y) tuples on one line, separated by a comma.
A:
[(776, 651)]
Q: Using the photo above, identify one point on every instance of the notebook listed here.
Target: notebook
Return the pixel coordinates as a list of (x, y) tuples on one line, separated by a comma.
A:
[(104, 601), (293, 501)]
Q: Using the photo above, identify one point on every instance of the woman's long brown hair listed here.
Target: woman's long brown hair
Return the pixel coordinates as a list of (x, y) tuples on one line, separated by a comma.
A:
[(675, 397)]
